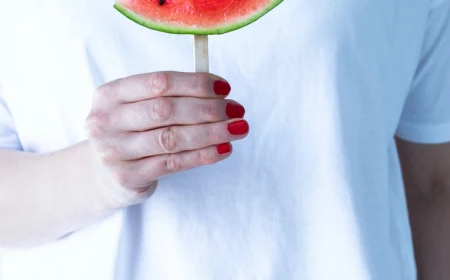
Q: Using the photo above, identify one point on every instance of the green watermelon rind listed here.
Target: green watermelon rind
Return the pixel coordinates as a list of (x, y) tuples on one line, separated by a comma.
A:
[(168, 28)]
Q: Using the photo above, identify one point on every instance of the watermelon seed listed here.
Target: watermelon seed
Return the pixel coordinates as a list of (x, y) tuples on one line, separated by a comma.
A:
[(161, 2)]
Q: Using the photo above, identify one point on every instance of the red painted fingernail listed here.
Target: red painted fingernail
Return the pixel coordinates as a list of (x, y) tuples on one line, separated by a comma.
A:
[(222, 88), (238, 128), (224, 148), (235, 111)]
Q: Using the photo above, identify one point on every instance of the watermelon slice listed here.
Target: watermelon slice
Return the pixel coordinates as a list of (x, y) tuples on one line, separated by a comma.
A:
[(198, 17)]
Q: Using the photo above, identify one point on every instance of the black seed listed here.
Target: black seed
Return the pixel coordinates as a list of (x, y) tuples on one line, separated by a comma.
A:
[(161, 2)]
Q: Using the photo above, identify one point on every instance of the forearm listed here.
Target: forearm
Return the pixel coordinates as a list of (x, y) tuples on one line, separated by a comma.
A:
[(430, 221), (426, 173), (46, 196)]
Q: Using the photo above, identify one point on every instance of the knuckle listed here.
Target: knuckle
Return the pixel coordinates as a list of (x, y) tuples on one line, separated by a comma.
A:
[(161, 109), (103, 92), (122, 177), (168, 140), (204, 158), (202, 82), (158, 84), (96, 124), (214, 132), (211, 110), (123, 174), (109, 154), (172, 163)]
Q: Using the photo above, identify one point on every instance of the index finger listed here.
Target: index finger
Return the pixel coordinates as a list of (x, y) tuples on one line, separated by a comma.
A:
[(164, 84)]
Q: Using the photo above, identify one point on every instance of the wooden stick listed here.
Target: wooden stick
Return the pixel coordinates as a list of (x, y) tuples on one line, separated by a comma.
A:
[(201, 53)]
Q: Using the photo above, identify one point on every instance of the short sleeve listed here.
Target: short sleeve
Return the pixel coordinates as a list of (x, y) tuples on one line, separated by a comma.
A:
[(8, 134), (426, 115)]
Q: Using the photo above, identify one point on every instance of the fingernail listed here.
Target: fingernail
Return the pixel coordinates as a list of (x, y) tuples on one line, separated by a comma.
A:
[(224, 148), (238, 128), (235, 111), (222, 88)]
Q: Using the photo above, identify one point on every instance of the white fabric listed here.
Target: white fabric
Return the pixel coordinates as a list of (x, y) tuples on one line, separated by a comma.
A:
[(315, 191), (426, 115), (8, 135)]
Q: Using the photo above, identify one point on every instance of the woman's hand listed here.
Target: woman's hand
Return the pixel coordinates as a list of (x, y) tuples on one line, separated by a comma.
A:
[(146, 126)]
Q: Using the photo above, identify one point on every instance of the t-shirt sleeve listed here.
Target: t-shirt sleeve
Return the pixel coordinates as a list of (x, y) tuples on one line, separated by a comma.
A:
[(426, 115), (8, 134)]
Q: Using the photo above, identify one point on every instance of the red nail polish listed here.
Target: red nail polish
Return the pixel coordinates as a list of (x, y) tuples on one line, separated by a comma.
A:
[(224, 148), (222, 88), (238, 128), (235, 111)]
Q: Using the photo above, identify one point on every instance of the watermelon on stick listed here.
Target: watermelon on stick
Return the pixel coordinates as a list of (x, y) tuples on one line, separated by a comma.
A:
[(196, 17)]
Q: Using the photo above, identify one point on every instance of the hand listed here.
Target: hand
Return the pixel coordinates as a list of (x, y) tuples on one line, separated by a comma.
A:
[(146, 126)]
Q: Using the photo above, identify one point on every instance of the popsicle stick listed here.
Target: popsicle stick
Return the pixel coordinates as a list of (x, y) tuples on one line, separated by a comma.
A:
[(201, 53)]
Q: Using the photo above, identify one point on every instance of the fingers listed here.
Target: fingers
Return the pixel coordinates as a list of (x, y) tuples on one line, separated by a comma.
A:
[(175, 139), (140, 173), (162, 84), (159, 112), (147, 126)]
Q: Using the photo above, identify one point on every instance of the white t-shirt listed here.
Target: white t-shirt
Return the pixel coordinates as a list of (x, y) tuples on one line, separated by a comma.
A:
[(315, 191)]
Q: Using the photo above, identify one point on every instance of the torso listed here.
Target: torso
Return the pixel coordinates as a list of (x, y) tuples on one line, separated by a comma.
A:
[(313, 193)]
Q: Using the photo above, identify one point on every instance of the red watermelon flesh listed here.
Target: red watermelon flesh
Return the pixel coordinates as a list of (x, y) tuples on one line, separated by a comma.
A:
[(202, 17)]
